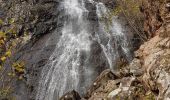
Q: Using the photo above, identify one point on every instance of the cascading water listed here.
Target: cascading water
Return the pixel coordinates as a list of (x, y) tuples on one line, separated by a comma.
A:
[(65, 63), (116, 39), (71, 66)]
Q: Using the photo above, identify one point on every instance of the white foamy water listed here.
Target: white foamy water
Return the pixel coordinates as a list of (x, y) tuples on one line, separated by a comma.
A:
[(114, 32), (71, 65)]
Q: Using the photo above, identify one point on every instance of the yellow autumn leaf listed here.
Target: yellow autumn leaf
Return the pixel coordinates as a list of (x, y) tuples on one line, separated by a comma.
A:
[(14, 64), (1, 22), (12, 30), (12, 20), (20, 70), (2, 42), (2, 34), (26, 33), (3, 58), (13, 74), (8, 53), (13, 43), (0, 67), (19, 67), (9, 74), (22, 64)]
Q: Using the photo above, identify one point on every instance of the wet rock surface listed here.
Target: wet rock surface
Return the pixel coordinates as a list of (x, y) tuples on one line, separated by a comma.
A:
[(147, 76), (38, 19), (73, 95)]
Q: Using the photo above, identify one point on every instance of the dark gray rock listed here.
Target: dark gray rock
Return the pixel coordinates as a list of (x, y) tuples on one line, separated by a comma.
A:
[(73, 95), (44, 19), (35, 55), (101, 80)]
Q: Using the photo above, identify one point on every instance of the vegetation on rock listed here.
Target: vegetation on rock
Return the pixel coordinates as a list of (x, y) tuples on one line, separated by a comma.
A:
[(131, 9), (9, 69)]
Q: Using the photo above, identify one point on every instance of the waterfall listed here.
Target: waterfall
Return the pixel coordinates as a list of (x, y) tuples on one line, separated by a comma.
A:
[(71, 66), (117, 39)]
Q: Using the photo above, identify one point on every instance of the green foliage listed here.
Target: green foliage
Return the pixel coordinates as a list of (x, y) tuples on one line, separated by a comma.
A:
[(8, 42), (19, 67), (5, 43)]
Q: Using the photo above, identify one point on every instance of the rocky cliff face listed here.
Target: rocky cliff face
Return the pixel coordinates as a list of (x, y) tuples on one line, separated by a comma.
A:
[(41, 20), (154, 54), (147, 76), (38, 19)]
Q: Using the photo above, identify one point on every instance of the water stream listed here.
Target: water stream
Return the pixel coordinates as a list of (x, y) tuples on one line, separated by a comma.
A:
[(80, 55)]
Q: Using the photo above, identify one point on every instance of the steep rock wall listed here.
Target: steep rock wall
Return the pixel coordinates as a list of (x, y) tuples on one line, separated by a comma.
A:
[(148, 75), (42, 19)]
